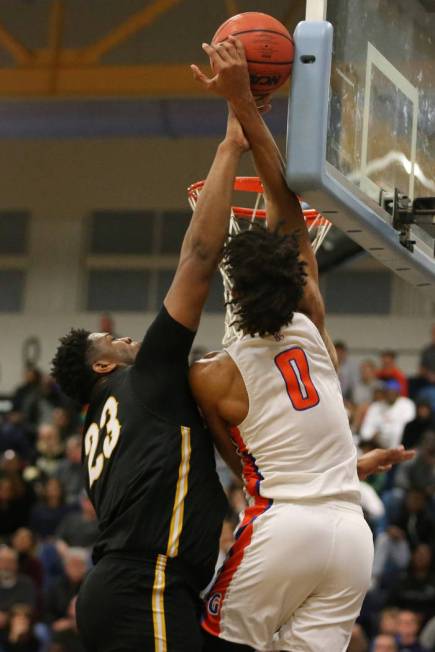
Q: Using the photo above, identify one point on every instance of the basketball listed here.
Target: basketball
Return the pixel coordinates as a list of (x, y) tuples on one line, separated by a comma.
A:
[(268, 45)]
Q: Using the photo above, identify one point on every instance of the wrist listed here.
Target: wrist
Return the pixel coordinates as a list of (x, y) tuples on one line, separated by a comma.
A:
[(244, 102), (231, 146)]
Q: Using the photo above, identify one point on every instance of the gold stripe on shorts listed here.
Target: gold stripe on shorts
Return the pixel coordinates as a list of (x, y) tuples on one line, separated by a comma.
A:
[(180, 494), (158, 605)]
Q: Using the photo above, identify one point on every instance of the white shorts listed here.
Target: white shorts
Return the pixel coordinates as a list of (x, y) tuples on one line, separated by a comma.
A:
[(294, 579)]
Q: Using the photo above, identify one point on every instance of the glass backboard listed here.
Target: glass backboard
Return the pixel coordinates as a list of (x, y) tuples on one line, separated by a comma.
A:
[(379, 131)]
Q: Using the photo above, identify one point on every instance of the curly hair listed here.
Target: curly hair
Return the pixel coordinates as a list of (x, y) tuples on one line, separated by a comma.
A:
[(268, 279), (71, 368)]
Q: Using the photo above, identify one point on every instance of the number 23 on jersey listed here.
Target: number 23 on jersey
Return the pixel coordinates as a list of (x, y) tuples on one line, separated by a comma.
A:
[(110, 422)]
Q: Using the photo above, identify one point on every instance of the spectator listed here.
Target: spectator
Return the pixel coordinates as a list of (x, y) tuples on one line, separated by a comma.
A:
[(413, 526), (65, 631), (65, 588), (385, 420), (14, 504), (24, 544), (366, 384), (14, 588), (51, 509), (49, 448), (414, 430), (389, 371), (364, 392), (70, 470), (388, 621), (408, 628), (49, 400), (415, 589), (79, 529), (347, 371), (26, 396), (358, 641), (427, 636), (427, 360), (385, 643), (20, 635), (64, 420), (17, 436), (419, 473)]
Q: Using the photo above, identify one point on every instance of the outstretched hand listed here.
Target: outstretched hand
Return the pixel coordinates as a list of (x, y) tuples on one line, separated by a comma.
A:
[(231, 76), (380, 460)]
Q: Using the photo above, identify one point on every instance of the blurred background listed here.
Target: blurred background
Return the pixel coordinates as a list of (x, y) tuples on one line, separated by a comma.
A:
[(102, 129)]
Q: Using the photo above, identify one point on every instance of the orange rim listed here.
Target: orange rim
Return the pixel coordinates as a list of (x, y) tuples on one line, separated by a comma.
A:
[(254, 185)]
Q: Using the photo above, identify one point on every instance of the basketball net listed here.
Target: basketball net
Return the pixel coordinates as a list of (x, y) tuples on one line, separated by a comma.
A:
[(243, 219)]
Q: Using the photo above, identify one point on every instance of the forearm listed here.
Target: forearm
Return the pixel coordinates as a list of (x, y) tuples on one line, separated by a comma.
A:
[(208, 228), (283, 204)]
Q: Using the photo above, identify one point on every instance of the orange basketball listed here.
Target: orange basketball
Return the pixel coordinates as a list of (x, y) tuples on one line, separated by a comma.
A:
[(268, 45)]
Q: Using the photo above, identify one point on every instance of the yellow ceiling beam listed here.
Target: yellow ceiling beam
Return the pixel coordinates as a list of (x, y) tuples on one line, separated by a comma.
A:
[(55, 41), (103, 81), (128, 28), (15, 48)]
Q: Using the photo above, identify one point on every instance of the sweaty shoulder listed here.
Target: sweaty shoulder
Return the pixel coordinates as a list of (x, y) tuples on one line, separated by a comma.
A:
[(217, 385)]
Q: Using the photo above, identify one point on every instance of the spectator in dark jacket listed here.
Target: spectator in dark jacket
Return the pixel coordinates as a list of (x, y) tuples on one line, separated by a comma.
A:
[(70, 470), (79, 528), (415, 589), (50, 510), (419, 473), (14, 588), (63, 590), (415, 429)]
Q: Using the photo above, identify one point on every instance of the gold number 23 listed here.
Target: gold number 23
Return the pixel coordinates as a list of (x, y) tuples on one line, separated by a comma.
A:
[(113, 428)]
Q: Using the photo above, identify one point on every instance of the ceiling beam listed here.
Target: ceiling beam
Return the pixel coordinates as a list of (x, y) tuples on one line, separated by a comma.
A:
[(135, 23), (15, 48), (169, 80)]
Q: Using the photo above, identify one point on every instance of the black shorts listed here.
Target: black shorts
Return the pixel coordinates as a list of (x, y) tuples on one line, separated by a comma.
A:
[(135, 606)]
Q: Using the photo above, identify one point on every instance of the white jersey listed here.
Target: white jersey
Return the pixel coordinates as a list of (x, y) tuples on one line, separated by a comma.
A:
[(295, 441)]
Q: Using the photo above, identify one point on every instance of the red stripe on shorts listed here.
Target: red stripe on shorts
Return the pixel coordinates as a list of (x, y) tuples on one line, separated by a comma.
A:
[(211, 618)]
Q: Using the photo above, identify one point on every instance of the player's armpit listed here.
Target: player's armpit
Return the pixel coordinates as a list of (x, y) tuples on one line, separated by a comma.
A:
[(210, 389)]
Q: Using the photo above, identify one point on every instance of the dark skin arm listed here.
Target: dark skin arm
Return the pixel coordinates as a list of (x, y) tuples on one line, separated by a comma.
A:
[(222, 399), (202, 245), (282, 205)]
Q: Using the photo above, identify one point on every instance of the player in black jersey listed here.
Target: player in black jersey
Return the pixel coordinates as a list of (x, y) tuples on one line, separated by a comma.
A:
[(149, 463)]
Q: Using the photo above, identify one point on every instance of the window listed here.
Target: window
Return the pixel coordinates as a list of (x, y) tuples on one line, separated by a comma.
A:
[(126, 232), (12, 289), (358, 293), (13, 232), (118, 290), (132, 258), (14, 228)]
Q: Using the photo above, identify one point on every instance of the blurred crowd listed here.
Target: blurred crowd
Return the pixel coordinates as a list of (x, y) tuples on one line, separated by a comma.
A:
[(48, 526), (386, 408)]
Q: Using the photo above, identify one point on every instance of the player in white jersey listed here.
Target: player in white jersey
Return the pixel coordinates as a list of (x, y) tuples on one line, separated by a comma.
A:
[(299, 569)]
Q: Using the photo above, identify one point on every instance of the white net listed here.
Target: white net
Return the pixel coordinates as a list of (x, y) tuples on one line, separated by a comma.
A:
[(243, 219)]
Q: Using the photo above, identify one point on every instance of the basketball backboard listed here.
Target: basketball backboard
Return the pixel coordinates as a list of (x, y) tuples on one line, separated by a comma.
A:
[(361, 127)]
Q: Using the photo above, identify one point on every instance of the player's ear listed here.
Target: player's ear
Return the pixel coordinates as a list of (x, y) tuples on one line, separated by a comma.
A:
[(103, 366)]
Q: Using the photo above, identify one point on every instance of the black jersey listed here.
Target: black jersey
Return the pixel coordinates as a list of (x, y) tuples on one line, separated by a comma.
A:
[(150, 469)]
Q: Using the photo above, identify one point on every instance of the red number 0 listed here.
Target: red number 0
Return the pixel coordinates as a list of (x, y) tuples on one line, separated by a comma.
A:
[(293, 365)]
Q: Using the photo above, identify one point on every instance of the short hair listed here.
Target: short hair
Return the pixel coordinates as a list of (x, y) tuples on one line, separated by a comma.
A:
[(267, 277), (71, 368), (389, 353)]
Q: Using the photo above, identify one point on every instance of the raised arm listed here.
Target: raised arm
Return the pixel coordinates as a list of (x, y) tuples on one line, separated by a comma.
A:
[(205, 237), (283, 207)]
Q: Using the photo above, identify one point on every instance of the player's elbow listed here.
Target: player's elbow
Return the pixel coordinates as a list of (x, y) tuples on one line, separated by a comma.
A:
[(202, 253)]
